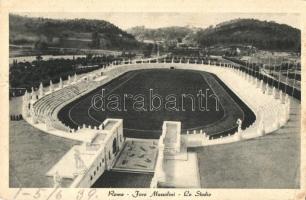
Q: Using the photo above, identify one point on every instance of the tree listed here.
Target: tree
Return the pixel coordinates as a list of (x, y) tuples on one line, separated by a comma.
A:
[(147, 50), (41, 45)]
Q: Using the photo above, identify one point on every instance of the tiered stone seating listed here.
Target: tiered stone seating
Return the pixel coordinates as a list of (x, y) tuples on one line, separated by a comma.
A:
[(271, 113), (268, 109), (44, 108)]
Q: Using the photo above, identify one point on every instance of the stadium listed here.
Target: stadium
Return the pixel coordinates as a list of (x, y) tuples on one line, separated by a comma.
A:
[(95, 106), (231, 114)]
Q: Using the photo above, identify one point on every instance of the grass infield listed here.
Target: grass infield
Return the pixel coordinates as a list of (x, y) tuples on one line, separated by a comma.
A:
[(163, 82)]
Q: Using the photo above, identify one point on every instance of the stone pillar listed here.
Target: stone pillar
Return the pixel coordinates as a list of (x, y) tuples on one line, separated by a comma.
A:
[(267, 89), (278, 95), (26, 96), (239, 131), (51, 86), (283, 98), (208, 62), (287, 98), (41, 90), (60, 85), (188, 61), (69, 80), (172, 61), (238, 135), (274, 92)]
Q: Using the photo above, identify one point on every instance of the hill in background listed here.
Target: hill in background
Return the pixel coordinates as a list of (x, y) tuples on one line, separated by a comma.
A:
[(77, 33), (260, 34), (99, 34)]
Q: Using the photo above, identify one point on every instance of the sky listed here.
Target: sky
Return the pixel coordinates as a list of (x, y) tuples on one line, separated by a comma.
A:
[(157, 20)]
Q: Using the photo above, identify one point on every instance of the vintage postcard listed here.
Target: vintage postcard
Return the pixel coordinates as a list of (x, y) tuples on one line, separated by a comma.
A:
[(152, 100)]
